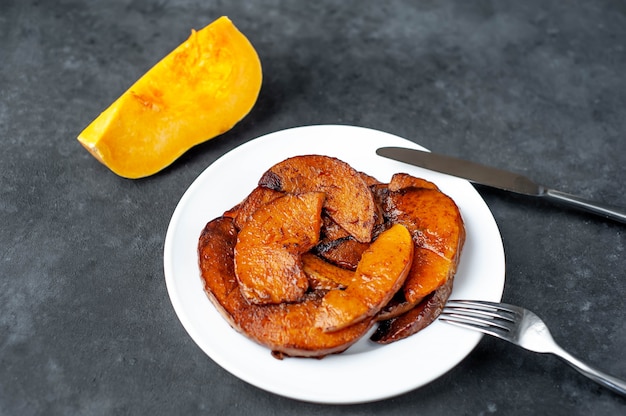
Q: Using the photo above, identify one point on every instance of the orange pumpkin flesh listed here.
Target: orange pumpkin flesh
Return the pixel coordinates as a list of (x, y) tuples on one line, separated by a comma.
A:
[(378, 276), (267, 255), (323, 275), (349, 201), (198, 91), (415, 319), (437, 228)]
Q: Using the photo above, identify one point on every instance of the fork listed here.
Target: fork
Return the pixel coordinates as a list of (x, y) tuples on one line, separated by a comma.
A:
[(520, 327)]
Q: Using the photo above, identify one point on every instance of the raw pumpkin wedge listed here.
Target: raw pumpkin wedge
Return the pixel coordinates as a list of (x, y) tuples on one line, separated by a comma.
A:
[(198, 91)]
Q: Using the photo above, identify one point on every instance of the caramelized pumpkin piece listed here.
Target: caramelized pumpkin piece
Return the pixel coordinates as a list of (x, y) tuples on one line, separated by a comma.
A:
[(428, 272), (415, 319), (286, 328), (404, 180), (338, 246), (437, 228), (349, 202), (198, 91), (267, 254), (331, 230), (323, 275), (380, 273), (257, 198), (396, 306), (344, 252)]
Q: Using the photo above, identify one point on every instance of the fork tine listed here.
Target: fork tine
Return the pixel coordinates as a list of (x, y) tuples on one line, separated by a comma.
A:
[(484, 305), (500, 310), (465, 323), (478, 319), (483, 309), (488, 317)]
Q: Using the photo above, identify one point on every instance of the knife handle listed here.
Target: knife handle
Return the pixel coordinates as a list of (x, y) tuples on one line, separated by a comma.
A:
[(611, 212)]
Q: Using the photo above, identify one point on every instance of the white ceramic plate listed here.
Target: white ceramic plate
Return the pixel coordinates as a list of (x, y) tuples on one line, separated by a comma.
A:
[(366, 371)]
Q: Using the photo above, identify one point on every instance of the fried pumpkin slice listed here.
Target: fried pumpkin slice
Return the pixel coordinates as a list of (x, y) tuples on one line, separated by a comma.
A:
[(259, 196), (324, 275), (379, 275), (349, 201), (337, 246), (344, 252), (288, 329), (404, 180), (269, 245), (415, 319), (436, 225), (396, 307)]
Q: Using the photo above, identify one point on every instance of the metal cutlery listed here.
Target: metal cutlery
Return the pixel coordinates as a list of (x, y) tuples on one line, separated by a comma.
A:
[(523, 328), (498, 178)]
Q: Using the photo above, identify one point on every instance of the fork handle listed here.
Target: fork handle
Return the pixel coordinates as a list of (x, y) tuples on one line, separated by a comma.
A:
[(610, 382)]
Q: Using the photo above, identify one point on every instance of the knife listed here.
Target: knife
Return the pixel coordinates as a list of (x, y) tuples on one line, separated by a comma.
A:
[(497, 178)]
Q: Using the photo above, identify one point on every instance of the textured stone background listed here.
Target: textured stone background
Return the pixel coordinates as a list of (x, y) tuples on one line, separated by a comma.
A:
[(539, 87)]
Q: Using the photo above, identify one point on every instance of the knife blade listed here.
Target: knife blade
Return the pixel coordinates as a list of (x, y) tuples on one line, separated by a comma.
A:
[(498, 178)]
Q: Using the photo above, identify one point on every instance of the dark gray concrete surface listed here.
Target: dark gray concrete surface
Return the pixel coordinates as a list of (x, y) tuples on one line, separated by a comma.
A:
[(539, 87)]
